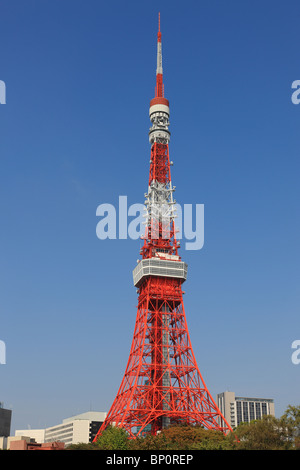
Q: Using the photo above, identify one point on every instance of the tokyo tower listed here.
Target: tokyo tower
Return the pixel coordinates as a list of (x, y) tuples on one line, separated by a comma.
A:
[(162, 384)]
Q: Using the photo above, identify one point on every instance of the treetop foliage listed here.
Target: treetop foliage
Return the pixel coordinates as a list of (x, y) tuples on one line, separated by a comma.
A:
[(269, 433)]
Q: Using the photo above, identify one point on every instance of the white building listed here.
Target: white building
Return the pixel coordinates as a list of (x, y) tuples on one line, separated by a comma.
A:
[(243, 409), (37, 434), (78, 429), (5, 441)]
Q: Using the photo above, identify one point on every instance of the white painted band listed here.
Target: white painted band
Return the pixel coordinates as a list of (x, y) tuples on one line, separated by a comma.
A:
[(156, 108)]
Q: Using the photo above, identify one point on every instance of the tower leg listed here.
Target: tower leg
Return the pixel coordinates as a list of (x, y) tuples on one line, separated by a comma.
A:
[(162, 383)]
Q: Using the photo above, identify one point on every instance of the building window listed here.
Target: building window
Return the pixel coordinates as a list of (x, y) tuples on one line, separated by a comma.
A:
[(251, 411), (245, 411), (239, 412), (257, 410), (264, 408)]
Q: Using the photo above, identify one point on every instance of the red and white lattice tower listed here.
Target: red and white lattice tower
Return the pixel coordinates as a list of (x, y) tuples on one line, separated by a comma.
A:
[(162, 384)]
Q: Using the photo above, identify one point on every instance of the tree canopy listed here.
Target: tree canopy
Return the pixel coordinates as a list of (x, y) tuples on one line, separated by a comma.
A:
[(269, 433)]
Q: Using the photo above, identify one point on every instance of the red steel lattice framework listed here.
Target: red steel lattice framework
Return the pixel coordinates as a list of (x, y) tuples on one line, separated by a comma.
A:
[(162, 383)]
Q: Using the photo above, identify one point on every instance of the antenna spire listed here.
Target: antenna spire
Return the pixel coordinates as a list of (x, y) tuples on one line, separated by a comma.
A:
[(159, 91)]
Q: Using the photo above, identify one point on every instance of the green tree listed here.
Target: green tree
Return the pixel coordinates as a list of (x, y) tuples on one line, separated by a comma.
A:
[(268, 433), (82, 446), (183, 437), (194, 437), (113, 438), (292, 418), (149, 442)]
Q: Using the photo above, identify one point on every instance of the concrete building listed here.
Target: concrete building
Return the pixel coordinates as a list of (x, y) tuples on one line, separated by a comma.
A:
[(6, 442), (5, 421), (3, 443), (27, 443), (24, 444), (11, 440), (36, 434), (81, 428), (243, 409)]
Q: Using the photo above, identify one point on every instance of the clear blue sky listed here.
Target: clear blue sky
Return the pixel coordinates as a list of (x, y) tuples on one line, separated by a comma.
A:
[(74, 134)]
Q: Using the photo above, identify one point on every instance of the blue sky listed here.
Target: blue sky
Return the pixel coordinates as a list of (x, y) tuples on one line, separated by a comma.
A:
[(79, 76)]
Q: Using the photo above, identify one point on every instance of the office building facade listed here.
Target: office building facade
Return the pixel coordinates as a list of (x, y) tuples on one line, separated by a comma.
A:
[(243, 409), (5, 421), (78, 429)]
